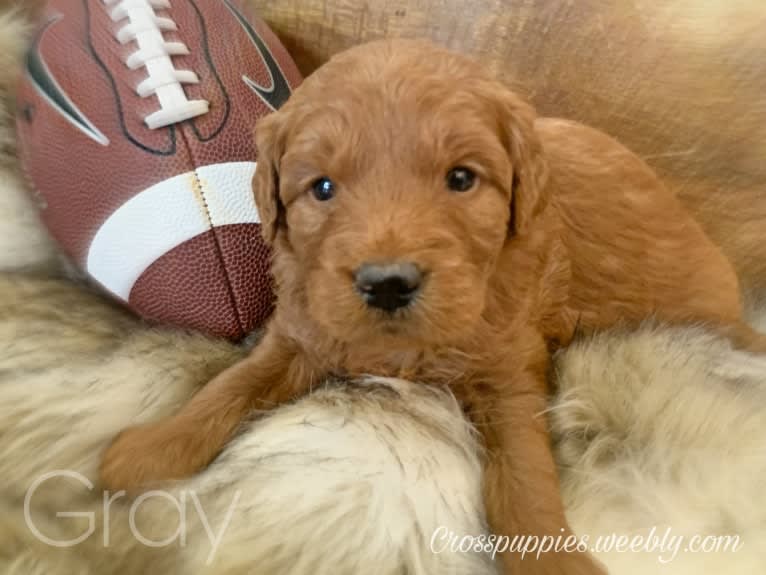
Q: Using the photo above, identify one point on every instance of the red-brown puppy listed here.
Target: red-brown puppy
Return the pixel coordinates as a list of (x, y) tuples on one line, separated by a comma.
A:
[(425, 225)]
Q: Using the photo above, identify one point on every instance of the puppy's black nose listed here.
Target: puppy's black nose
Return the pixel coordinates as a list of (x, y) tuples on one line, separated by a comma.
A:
[(388, 286)]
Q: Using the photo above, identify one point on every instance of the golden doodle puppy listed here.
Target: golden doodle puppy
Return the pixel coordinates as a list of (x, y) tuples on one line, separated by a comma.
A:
[(426, 225)]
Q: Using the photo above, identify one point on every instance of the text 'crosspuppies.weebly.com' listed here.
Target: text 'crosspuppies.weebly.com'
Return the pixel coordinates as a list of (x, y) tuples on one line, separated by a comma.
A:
[(663, 542)]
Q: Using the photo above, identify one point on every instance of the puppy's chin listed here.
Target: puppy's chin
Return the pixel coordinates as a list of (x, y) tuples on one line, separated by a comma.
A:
[(405, 332)]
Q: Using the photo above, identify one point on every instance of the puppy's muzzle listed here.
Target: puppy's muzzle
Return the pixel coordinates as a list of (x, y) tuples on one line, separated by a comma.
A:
[(388, 286)]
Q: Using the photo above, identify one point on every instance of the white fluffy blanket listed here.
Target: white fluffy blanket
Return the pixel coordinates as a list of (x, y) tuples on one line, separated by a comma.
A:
[(661, 438)]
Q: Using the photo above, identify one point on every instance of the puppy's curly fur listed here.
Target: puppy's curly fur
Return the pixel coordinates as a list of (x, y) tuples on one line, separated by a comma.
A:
[(564, 229)]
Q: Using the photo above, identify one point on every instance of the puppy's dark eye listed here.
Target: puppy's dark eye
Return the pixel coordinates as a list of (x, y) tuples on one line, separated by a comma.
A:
[(323, 189), (460, 179)]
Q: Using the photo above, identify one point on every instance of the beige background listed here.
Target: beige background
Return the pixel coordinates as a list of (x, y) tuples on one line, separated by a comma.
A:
[(682, 82)]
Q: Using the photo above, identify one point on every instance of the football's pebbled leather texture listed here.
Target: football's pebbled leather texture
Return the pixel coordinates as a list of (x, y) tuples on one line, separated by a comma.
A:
[(163, 218)]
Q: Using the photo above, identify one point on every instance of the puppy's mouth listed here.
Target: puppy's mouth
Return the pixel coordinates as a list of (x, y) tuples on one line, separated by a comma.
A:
[(394, 314), (396, 322), (393, 305)]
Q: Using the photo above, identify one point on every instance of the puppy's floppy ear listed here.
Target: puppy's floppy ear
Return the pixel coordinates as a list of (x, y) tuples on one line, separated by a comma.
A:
[(530, 169), (266, 180)]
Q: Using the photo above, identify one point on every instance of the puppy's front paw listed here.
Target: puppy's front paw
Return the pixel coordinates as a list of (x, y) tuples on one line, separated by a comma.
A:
[(143, 456)]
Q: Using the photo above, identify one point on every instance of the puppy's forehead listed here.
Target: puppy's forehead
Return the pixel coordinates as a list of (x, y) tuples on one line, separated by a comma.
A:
[(395, 97)]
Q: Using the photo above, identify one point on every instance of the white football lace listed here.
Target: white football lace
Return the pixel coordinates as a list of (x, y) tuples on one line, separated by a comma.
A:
[(155, 54)]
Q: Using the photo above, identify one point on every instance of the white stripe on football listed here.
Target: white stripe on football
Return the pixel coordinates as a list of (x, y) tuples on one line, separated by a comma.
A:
[(166, 215)]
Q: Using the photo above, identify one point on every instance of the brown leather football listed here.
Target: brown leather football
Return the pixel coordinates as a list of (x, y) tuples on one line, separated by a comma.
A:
[(135, 125)]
